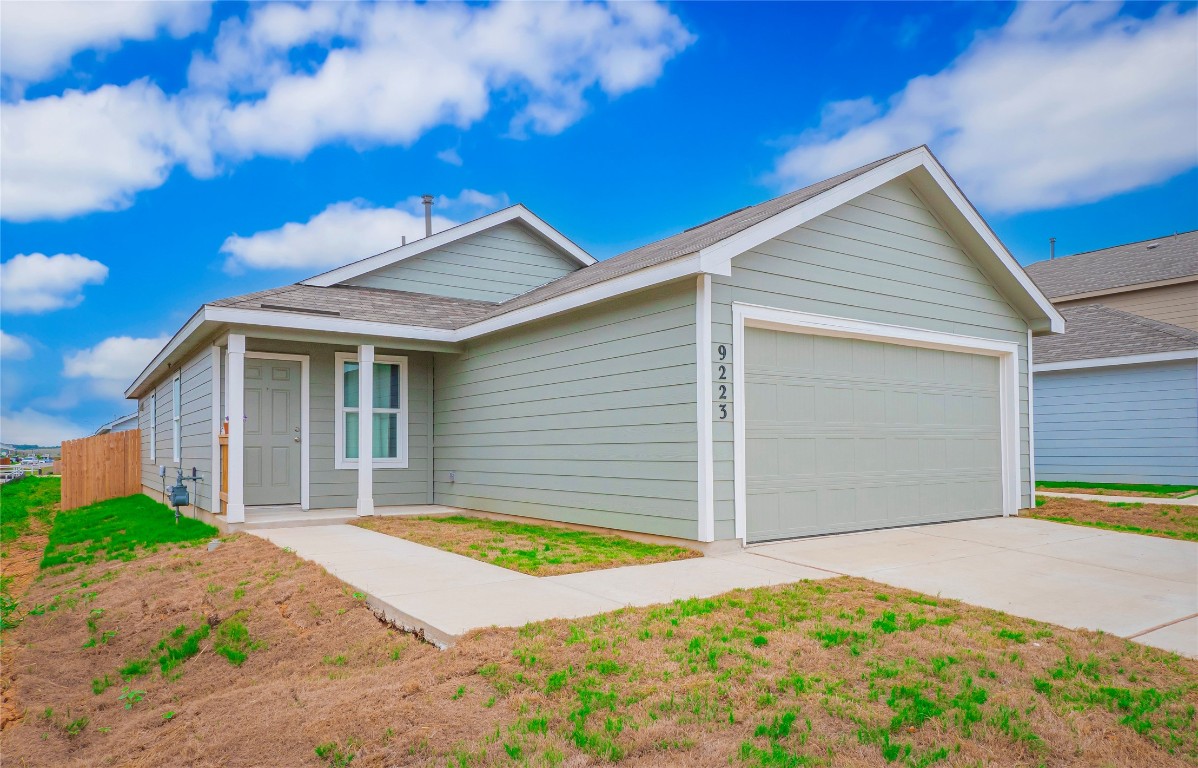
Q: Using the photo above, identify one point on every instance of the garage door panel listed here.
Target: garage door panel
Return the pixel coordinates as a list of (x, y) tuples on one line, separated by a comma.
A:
[(845, 434)]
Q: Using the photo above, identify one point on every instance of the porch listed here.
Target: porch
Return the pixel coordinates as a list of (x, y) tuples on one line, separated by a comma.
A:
[(288, 422)]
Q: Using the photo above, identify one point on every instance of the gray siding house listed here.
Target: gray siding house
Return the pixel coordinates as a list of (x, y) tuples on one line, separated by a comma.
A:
[(851, 355)]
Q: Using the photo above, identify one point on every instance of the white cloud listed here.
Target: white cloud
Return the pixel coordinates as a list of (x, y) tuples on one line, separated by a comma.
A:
[(351, 230), (450, 156), (31, 427), (291, 78), (14, 347), (35, 282), (400, 70), (79, 152), (1062, 105), (110, 366), (38, 39)]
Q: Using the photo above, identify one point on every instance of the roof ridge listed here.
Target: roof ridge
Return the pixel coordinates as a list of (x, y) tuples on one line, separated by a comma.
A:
[(1122, 245)]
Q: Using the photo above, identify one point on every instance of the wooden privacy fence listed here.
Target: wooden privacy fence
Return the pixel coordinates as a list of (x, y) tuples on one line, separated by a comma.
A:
[(101, 467)]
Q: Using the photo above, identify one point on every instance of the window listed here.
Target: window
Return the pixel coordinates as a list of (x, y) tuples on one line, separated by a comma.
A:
[(153, 426), (177, 418), (388, 412)]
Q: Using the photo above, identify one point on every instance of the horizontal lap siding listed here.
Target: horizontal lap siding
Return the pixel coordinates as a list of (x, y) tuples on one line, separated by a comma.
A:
[(195, 430), (496, 265), (585, 418), (883, 258), (1128, 424), (330, 487), (1175, 304)]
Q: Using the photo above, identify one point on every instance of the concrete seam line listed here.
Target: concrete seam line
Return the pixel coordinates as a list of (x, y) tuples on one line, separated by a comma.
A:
[(803, 565), (1162, 626)]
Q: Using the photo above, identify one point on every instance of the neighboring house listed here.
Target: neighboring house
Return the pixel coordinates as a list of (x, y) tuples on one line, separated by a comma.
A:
[(848, 356), (1116, 397), (120, 424)]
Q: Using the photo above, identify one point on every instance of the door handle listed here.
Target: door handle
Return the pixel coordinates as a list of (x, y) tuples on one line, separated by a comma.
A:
[(296, 439)]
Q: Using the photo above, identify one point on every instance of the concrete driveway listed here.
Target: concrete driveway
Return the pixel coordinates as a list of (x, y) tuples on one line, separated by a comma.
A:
[(1134, 586)]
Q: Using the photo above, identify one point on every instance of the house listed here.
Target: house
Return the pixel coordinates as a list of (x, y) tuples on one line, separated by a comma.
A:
[(847, 356), (1116, 398), (119, 424)]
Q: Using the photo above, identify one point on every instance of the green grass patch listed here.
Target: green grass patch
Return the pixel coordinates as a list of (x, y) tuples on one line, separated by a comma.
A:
[(25, 501), (1183, 535), (539, 550), (233, 640), (1151, 489), (118, 529)]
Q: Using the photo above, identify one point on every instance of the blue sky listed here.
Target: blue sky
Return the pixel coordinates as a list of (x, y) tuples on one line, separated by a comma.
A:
[(159, 155)]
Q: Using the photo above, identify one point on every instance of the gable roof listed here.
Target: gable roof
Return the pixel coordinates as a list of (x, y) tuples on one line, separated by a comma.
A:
[(707, 248), (1147, 261), (517, 213), (1100, 332)]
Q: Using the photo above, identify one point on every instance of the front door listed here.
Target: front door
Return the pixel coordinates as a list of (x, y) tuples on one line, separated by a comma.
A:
[(272, 431)]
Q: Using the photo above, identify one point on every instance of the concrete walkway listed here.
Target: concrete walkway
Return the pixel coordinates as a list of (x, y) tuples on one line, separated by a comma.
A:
[(445, 595), (1134, 586), (1191, 501)]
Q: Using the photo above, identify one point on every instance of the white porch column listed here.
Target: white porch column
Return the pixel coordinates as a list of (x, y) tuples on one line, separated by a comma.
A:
[(235, 410), (365, 429)]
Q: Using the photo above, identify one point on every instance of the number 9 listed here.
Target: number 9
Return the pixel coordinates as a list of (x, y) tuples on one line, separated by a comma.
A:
[(723, 351)]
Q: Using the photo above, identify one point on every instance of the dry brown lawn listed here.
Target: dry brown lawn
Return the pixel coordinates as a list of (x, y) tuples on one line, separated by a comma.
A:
[(1118, 492), (539, 550), (1171, 521), (842, 672)]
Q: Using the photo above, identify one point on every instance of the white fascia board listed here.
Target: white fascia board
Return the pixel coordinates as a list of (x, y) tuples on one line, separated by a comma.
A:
[(644, 278), (184, 333), (1104, 362), (453, 234), (715, 257)]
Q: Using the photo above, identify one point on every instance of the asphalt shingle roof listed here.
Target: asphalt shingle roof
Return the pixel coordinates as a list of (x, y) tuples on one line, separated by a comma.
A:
[(387, 306), (1093, 331), (361, 303), (1164, 258)]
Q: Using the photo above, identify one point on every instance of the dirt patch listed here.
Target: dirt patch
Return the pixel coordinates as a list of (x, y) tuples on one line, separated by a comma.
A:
[(842, 672), (19, 569), (539, 550), (1171, 521)]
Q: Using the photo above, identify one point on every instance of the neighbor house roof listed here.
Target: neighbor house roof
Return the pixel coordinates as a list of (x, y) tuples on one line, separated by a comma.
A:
[(1100, 332), (1167, 258)]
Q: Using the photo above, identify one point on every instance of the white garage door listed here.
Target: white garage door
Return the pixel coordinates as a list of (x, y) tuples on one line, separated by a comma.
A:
[(848, 434)]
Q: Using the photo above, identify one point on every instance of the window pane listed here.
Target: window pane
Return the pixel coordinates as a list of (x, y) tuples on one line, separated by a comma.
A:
[(386, 385), (351, 435), (386, 436), (350, 377)]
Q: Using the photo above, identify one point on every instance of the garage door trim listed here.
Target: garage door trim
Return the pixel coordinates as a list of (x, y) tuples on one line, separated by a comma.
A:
[(774, 318)]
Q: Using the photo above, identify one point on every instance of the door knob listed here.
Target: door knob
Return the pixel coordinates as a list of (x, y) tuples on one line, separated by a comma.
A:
[(296, 439)]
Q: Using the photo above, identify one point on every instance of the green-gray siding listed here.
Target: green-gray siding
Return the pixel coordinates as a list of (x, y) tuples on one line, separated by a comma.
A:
[(883, 258), (195, 434), (588, 417), (496, 265)]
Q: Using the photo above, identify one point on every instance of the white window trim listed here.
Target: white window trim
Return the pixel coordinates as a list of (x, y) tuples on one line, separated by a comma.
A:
[(153, 426), (774, 318), (177, 418), (339, 460)]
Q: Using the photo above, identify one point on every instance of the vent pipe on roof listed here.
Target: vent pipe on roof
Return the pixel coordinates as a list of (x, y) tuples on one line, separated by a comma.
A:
[(428, 214), (1052, 248)]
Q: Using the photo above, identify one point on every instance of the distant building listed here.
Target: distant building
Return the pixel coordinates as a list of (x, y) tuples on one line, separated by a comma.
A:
[(122, 424)]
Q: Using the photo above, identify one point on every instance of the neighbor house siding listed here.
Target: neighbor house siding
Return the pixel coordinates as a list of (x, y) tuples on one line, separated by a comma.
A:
[(588, 417), (1174, 304), (338, 488), (883, 258), (1126, 424), (195, 431), (496, 265)]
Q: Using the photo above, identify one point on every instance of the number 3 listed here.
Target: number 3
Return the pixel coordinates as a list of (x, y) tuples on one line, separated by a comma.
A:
[(723, 411)]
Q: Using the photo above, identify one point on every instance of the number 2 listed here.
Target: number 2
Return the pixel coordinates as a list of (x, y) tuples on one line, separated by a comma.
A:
[(723, 391), (723, 372)]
